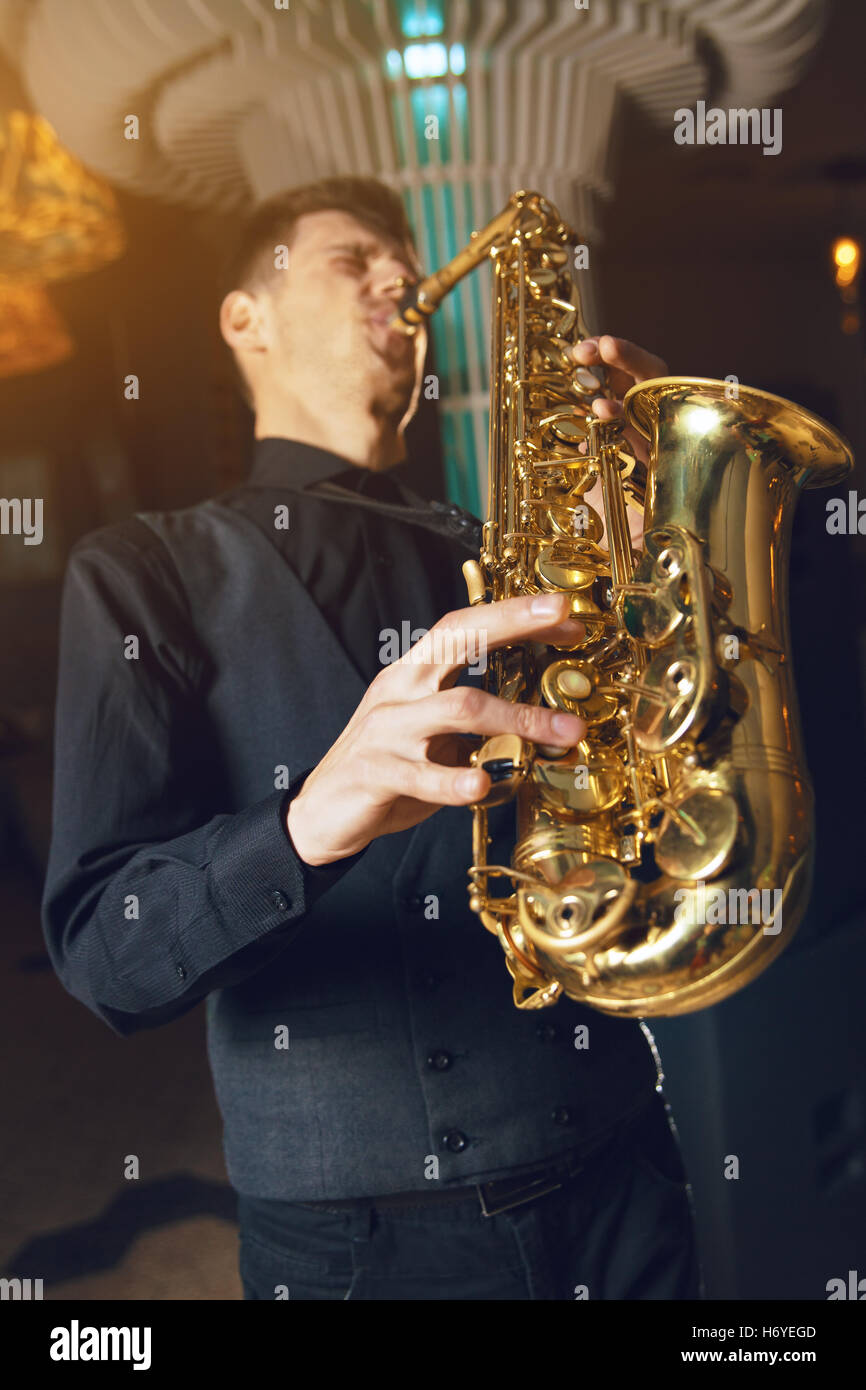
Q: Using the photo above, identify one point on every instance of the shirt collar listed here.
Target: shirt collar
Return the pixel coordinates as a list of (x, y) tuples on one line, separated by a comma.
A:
[(290, 463)]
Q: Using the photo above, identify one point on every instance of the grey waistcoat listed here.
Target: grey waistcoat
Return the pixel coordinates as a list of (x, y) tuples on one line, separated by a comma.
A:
[(407, 1061)]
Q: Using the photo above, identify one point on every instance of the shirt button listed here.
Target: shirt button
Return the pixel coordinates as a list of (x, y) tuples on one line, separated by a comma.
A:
[(562, 1115), (455, 1140), (280, 901), (546, 1031), (440, 1060)]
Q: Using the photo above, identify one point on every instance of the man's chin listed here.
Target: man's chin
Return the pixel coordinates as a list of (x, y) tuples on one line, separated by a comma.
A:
[(398, 353), (397, 378), (397, 371)]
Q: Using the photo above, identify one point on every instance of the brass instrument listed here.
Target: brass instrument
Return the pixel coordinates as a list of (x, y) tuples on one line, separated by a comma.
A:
[(689, 790)]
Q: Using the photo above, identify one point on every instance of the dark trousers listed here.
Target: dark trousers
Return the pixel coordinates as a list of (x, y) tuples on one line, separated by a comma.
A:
[(622, 1228)]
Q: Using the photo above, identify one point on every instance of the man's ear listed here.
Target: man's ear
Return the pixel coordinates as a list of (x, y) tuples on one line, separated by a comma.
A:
[(242, 321)]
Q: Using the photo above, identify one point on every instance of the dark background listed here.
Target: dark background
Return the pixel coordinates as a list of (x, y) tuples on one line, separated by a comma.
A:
[(715, 258)]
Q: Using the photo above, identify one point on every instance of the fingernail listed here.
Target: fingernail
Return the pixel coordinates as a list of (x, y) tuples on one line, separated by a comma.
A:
[(569, 725), (469, 782), (546, 606)]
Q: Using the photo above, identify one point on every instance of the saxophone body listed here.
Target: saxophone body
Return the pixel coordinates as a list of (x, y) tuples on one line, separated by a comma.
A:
[(661, 864)]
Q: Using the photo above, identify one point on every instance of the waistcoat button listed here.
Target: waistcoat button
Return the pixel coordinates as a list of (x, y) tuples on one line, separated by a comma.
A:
[(440, 1060), (455, 1140)]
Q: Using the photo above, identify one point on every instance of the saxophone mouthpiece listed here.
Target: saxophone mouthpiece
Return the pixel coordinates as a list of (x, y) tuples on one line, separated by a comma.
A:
[(409, 314)]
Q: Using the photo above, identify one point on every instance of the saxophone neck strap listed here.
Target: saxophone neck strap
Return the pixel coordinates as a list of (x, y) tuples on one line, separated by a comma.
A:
[(443, 518)]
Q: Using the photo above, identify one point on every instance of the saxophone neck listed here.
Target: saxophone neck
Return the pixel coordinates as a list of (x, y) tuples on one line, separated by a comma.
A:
[(424, 297)]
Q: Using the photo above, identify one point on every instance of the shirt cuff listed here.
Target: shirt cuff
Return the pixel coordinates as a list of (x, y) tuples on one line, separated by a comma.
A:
[(318, 878), (259, 879)]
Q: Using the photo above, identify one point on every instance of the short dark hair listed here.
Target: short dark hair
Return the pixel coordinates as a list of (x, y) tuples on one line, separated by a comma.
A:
[(271, 223)]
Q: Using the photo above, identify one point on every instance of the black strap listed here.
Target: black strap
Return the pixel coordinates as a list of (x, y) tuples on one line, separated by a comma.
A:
[(445, 518)]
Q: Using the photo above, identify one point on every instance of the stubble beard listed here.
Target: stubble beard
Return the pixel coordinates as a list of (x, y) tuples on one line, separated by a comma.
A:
[(393, 381)]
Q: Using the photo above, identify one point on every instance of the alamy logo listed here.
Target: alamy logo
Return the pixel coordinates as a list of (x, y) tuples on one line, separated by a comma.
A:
[(22, 516), (854, 1288), (76, 1343), (20, 1290), (846, 519), (737, 126), (452, 648), (737, 906)]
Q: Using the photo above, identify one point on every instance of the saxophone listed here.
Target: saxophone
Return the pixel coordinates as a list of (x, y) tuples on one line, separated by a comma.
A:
[(666, 860)]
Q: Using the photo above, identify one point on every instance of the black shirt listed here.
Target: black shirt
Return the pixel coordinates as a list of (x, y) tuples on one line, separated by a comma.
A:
[(127, 731), (375, 580)]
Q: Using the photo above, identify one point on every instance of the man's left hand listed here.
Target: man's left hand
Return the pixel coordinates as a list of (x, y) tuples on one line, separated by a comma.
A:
[(626, 365)]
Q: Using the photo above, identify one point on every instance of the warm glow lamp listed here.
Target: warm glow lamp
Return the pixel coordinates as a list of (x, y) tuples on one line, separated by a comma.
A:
[(32, 335), (56, 219)]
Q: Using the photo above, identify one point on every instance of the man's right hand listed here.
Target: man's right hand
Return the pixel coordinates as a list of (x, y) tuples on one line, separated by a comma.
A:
[(401, 757)]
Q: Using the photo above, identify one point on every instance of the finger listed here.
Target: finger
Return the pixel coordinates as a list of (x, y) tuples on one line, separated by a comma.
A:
[(629, 362), (614, 410), (466, 636), (442, 786), (585, 351), (465, 709), (453, 750), (607, 410), (628, 357), (640, 446), (617, 381)]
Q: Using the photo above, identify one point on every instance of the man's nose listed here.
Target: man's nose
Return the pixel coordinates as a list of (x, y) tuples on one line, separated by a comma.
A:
[(388, 292), (389, 282)]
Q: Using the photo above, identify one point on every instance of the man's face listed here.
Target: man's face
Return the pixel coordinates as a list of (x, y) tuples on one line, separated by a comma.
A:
[(328, 314)]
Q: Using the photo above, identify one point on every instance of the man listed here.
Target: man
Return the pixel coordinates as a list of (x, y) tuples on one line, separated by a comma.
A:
[(250, 807)]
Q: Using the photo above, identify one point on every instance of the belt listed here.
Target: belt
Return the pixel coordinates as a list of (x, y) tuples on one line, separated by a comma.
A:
[(493, 1197)]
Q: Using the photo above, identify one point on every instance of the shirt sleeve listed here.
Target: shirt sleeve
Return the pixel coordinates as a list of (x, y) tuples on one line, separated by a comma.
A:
[(152, 900)]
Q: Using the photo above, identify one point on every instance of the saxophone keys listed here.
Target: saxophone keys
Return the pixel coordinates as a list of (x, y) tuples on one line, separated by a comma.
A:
[(584, 911), (506, 759), (584, 782), (540, 280), (558, 567), (588, 380), (575, 517), (697, 837), (564, 686), (566, 426), (476, 585)]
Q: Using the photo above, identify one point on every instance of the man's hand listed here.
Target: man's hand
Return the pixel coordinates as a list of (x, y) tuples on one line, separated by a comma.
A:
[(626, 364), (401, 756)]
